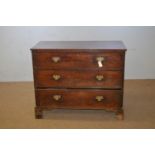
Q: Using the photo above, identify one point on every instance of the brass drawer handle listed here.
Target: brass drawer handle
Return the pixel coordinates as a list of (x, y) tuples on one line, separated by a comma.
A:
[(100, 61), (57, 97), (99, 77), (56, 77), (99, 98), (55, 59)]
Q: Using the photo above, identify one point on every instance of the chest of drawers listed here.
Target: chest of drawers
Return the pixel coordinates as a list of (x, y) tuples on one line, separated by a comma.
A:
[(79, 75)]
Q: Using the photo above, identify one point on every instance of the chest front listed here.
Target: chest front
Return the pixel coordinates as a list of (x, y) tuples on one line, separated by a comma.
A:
[(74, 77)]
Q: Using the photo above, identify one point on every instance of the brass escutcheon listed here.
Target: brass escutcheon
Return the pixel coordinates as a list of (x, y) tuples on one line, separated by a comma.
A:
[(99, 98), (55, 59), (99, 77), (100, 59), (56, 77), (56, 97)]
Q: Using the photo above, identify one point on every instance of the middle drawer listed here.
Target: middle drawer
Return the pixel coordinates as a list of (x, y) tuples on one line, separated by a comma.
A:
[(78, 79)]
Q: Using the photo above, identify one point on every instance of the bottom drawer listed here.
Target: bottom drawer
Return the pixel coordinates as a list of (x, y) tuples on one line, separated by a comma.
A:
[(79, 99)]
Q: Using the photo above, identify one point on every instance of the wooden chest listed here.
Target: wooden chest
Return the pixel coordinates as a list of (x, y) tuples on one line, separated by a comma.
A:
[(79, 75)]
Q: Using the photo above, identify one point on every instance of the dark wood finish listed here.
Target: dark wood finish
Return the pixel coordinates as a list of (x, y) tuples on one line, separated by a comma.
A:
[(79, 99), (67, 75), (79, 79), (38, 112), (120, 114), (103, 45), (79, 60)]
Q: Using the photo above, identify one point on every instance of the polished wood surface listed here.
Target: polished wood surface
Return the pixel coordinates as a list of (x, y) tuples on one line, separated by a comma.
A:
[(103, 45), (79, 75), (78, 60), (78, 79), (79, 99)]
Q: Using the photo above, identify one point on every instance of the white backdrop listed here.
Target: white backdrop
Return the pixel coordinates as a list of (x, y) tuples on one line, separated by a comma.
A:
[(15, 42)]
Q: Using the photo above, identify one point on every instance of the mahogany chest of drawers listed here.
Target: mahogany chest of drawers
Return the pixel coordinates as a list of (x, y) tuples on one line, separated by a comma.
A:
[(79, 75)]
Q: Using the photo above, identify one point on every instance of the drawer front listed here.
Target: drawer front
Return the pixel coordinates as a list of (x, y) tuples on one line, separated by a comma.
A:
[(79, 60), (79, 99), (78, 79)]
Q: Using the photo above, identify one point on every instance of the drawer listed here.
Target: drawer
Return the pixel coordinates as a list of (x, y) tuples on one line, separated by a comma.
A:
[(78, 79), (79, 99), (78, 60)]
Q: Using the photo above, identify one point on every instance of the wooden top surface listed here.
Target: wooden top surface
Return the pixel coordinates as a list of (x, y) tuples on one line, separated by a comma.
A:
[(108, 45)]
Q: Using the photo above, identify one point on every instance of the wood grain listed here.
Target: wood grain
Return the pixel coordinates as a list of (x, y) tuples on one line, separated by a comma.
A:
[(79, 99), (74, 66), (78, 79), (79, 60)]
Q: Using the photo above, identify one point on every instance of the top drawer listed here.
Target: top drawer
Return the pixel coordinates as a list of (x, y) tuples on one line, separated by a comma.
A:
[(78, 60)]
